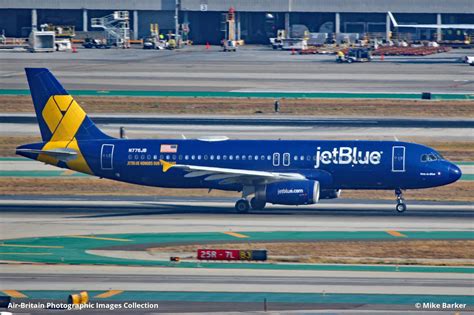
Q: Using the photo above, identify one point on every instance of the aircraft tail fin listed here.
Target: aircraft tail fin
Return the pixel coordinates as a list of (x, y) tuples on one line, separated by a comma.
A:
[(392, 18), (59, 116)]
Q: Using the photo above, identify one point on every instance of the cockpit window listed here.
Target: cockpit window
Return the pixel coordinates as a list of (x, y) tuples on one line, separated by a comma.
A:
[(430, 157), (439, 156)]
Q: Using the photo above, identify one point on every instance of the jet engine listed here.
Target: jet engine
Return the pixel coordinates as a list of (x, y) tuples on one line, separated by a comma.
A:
[(329, 193), (298, 192)]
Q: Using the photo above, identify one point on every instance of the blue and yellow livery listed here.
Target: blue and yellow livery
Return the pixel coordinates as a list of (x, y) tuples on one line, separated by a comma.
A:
[(265, 171)]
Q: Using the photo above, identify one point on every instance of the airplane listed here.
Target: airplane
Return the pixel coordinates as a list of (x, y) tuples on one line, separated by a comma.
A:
[(441, 26), (296, 172)]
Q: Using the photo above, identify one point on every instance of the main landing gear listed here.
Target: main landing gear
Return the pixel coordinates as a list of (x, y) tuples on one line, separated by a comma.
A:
[(401, 206), (243, 205)]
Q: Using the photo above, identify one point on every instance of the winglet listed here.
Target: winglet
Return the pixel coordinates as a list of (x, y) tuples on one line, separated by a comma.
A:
[(167, 165), (392, 18)]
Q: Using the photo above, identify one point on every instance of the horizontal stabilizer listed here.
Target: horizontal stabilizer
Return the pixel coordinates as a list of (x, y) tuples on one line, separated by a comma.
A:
[(58, 154)]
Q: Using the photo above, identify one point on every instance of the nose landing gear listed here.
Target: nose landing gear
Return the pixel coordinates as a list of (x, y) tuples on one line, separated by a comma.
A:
[(401, 206)]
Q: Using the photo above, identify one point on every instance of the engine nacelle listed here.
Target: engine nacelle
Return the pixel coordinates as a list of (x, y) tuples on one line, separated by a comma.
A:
[(329, 193), (298, 192)]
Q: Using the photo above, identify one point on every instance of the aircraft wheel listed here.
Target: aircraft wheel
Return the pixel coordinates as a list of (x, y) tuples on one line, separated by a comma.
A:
[(257, 204), (242, 206), (401, 207)]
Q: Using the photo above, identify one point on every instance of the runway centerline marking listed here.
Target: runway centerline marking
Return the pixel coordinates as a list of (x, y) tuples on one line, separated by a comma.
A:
[(100, 238), (238, 235), (14, 293), (396, 234), (30, 246), (108, 294)]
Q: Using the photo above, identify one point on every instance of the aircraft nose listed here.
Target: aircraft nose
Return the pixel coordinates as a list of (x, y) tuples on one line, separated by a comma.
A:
[(454, 173)]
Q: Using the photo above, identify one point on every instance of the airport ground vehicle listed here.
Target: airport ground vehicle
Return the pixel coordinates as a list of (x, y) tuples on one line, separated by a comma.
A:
[(288, 172), (355, 55), (95, 43), (229, 45)]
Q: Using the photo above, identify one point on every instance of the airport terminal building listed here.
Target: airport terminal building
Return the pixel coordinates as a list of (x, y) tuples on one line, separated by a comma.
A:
[(257, 20)]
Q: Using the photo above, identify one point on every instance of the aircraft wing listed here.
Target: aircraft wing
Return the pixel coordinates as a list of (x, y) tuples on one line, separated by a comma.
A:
[(443, 26), (234, 176)]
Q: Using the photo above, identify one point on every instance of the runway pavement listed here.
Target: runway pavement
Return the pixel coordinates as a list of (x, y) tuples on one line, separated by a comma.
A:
[(252, 68), (49, 216), (266, 132), (274, 120), (206, 280), (220, 287)]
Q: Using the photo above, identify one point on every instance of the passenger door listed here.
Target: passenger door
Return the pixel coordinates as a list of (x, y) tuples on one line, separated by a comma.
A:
[(398, 159), (106, 157)]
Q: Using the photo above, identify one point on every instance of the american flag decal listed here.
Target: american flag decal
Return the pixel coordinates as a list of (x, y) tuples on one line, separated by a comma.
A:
[(168, 148)]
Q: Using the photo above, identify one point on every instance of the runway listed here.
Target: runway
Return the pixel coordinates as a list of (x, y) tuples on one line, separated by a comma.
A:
[(69, 225), (279, 121), (48, 216), (192, 280)]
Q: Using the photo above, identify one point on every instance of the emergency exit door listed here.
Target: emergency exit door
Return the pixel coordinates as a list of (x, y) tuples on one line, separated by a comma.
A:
[(107, 156), (398, 159)]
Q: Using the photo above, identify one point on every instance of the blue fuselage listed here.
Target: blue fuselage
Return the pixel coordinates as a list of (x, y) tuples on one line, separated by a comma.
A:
[(335, 164)]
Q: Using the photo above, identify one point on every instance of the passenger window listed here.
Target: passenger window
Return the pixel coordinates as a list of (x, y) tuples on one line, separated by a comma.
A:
[(237, 157), (276, 159), (186, 157), (199, 156), (205, 157), (218, 157), (286, 159)]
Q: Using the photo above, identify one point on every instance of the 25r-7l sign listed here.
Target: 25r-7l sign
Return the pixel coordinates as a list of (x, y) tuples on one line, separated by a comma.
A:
[(231, 254)]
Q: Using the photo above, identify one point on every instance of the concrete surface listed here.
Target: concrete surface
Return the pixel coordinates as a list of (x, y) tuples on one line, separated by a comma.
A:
[(252, 68)]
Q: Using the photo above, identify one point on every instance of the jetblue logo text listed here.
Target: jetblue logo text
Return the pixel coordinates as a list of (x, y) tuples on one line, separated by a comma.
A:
[(347, 155), (289, 191)]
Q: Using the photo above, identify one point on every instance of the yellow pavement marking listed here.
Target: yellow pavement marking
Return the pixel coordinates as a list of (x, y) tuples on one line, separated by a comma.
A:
[(396, 234), (68, 172), (37, 254), (14, 293), (30, 246), (238, 235), (108, 294), (101, 238)]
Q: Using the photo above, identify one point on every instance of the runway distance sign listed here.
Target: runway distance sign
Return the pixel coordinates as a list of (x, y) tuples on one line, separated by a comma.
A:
[(231, 254)]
